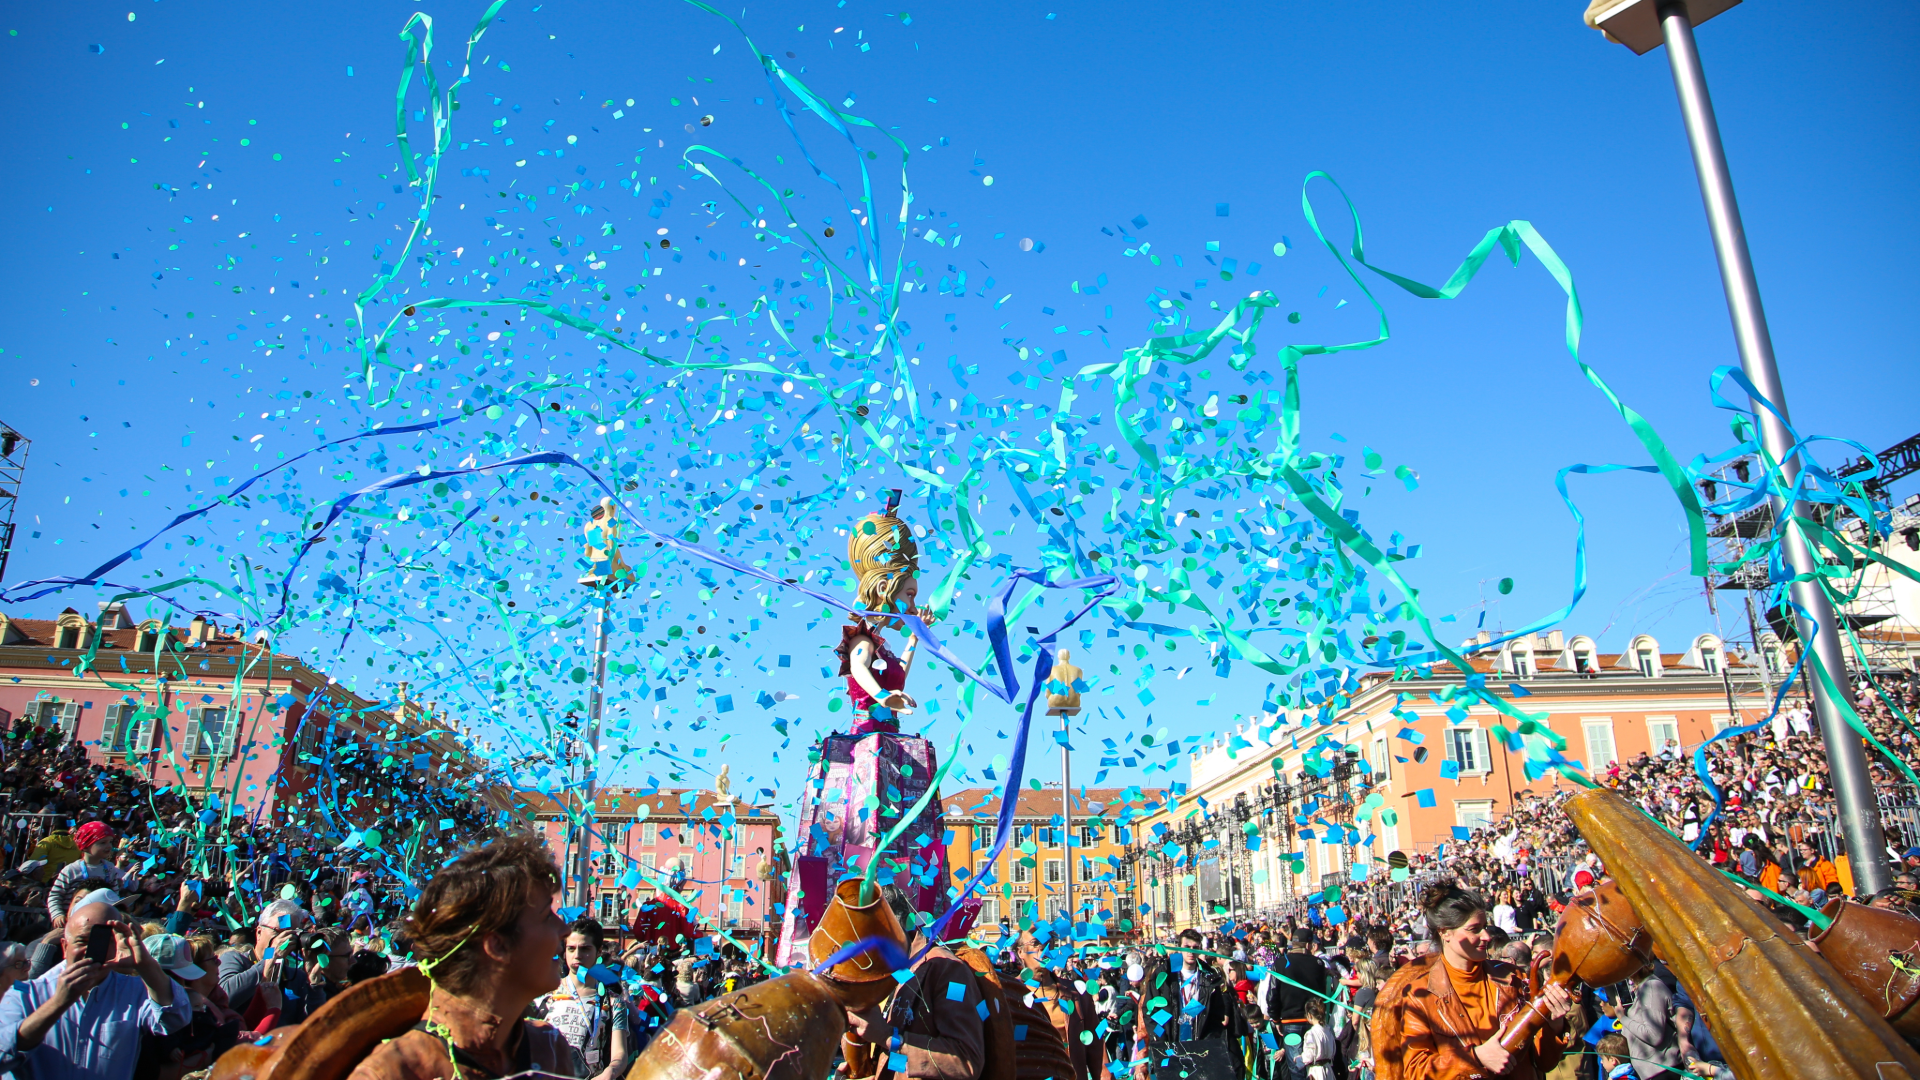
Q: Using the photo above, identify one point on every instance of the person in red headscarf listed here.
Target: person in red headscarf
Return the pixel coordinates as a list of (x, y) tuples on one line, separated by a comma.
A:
[(94, 869)]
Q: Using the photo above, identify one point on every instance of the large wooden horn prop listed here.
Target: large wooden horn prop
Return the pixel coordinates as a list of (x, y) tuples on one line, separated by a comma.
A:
[(337, 1036), (1776, 1007)]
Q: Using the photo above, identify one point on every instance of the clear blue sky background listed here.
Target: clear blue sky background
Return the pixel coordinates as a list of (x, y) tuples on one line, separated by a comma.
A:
[(1440, 121)]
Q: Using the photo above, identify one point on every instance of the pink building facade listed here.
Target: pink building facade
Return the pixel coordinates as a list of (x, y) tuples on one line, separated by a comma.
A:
[(233, 724), (722, 854)]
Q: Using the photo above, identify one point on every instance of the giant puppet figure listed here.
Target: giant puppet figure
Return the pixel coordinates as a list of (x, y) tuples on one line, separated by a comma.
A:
[(864, 780)]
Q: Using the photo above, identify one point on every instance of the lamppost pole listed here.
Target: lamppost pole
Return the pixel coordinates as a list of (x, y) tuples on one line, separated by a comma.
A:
[(1818, 626), (606, 573)]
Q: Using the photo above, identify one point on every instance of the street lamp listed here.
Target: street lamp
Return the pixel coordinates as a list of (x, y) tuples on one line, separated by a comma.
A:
[(1642, 25)]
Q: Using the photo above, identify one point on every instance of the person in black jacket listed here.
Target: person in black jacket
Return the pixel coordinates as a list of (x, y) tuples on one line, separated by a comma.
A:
[(1197, 1040), (1297, 976)]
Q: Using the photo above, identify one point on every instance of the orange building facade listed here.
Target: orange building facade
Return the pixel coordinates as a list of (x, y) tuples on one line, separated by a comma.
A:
[(1414, 768), (1029, 879)]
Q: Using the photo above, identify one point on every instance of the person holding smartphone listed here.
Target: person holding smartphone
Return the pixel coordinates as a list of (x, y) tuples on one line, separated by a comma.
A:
[(82, 1019)]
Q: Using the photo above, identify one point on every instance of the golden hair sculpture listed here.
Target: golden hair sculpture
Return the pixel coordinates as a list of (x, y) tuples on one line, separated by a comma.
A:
[(884, 558)]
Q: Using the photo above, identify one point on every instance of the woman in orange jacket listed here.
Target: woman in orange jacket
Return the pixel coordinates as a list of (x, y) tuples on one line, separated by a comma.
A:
[(1453, 1012)]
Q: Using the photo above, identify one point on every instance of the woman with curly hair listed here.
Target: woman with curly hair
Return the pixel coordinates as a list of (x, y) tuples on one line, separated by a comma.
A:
[(1450, 1007), (485, 933)]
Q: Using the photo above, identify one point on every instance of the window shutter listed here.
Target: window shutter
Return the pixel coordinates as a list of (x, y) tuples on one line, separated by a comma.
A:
[(190, 741), (114, 736), (1483, 754), (142, 734), (69, 720), (227, 733)]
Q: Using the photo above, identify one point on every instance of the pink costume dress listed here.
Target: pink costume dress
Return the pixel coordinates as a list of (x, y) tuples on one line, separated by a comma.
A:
[(860, 785)]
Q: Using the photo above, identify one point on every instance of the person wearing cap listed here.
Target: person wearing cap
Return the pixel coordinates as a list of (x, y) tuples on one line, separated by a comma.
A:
[(81, 1019), (92, 870), (272, 987), (213, 1029)]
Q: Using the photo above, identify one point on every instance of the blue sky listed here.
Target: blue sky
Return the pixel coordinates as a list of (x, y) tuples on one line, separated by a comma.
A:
[(1440, 123)]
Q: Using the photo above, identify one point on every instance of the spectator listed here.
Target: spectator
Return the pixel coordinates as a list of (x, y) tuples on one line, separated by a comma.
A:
[(1316, 1051), (60, 1042), (365, 965), (54, 851), (14, 962), (1615, 1057), (490, 941), (274, 989), (1296, 978), (96, 841), (212, 1029), (591, 1015), (1650, 1029)]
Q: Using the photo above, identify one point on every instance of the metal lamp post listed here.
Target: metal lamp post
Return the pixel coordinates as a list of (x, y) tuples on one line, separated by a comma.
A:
[(1643, 25)]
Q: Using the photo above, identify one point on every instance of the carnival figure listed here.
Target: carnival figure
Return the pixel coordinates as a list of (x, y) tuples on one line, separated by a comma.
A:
[(864, 780)]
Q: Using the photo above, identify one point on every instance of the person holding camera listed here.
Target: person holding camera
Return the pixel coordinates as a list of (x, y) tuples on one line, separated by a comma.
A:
[(82, 1018), (283, 981)]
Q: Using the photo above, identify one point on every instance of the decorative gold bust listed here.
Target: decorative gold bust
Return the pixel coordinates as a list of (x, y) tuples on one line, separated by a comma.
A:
[(602, 536), (1062, 698)]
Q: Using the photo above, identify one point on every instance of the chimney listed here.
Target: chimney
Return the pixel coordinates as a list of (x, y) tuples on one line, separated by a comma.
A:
[(200, 631), (1553, 641)]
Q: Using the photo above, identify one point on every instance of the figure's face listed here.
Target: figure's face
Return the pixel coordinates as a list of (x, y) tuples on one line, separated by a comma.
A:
[(909, 591), (582, 953), (536, 956), (1470, 938)]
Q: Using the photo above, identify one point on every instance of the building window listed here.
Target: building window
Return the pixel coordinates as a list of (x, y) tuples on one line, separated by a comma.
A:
[(113, 737), (1582, 660), (148, 640), (1648, 662), (989, 911), (1090, 835), (608, 863), (1122, 834), (67, 637), (1600, 752), (1050, 836), (1056, 871), (1467, 747), (1022, 872), (1473, 813), (1022, 834), (1663, 735), (984, 870), (736, 907), (1721, 722), (1709, 659), (1056, 907), (609, 907), (983, 837), (1770, 657), (738, 867), (1522, 664), (209, 732)]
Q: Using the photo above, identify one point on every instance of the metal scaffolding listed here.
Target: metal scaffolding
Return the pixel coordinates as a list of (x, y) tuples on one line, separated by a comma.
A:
[(13, 472)]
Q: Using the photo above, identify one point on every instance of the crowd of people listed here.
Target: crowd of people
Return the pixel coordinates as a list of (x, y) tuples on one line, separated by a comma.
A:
[(137, 964)]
